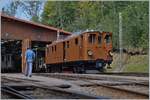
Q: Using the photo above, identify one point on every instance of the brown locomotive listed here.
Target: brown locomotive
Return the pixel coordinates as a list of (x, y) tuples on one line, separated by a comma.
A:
[(82, 52)]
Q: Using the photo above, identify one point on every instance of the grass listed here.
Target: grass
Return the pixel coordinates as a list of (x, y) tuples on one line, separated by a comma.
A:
[(136, 63)]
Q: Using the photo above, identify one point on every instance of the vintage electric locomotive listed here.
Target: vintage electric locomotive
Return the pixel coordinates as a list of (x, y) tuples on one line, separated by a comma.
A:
[(82, 52)]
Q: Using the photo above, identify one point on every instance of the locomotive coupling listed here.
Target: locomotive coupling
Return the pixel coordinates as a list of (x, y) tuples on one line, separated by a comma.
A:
[(110, 53)]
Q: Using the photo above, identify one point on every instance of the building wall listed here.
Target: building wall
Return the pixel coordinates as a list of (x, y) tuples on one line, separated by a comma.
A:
[(15, 29), (12, 29)]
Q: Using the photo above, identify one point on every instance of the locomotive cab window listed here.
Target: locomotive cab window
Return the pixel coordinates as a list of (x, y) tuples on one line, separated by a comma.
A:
[(91, 38), (107, 39), (99, 39), (67, 44), (76, 41)]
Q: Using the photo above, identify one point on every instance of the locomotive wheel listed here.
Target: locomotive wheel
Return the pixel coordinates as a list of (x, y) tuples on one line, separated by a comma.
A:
[(102, 70)]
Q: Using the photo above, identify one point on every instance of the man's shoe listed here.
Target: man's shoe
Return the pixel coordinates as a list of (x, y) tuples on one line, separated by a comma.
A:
[(30, 76)]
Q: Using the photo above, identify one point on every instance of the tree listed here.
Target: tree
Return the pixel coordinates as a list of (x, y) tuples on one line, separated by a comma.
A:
[(11, 9), (102, 16), (59, 13), (136, 24), (32, 9)]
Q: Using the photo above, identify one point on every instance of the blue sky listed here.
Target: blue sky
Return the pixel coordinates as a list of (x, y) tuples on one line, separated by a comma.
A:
[(4, 3)]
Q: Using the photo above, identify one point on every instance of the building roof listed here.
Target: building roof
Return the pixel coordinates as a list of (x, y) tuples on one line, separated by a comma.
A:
[(36, 24)]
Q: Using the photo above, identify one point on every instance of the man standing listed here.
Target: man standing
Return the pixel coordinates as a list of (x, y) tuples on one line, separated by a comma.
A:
[(29, 56)]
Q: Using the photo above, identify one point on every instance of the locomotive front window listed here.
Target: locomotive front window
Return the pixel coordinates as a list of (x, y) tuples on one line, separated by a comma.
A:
[(91, 38), (107, 38)]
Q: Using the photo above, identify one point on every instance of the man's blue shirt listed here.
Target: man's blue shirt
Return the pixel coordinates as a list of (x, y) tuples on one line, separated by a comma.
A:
[(30, 55)]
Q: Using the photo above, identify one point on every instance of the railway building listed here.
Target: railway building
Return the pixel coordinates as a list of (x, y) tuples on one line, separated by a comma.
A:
[(17, 35)]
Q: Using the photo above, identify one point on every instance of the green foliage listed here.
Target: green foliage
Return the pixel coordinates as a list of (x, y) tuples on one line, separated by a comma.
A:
[(136, 24), (101, 15), (59, 14)]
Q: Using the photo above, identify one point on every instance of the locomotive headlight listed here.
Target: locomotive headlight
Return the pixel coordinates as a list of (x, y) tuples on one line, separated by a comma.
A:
[(90, 53)]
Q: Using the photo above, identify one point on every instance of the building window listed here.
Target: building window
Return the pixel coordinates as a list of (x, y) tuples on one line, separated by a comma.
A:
[(91, 38), (76, 41), (2, 58)]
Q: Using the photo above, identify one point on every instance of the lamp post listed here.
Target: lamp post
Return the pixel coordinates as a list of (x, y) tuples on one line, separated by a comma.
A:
[(120, 40)]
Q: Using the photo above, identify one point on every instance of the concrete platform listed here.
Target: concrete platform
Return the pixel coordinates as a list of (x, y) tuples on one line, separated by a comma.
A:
[(46, 81)]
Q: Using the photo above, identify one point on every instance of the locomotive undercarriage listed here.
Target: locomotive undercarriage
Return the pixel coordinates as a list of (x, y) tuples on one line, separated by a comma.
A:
[(77, 66)]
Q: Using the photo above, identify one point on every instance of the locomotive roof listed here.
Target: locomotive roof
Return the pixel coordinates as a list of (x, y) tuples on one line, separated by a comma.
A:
[(73, 36)]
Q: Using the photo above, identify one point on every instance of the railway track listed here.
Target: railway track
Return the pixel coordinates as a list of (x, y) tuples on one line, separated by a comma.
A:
[(117, 78), (38, 91), (126, 74), (115, 89), (119, 91)]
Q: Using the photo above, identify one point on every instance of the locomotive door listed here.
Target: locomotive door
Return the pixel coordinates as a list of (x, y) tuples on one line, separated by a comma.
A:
[(81, 47), (64, 51)]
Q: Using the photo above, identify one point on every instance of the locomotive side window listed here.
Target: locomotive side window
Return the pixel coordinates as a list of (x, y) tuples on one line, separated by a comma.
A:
[(91, 38), (67, 44), (82, 37), (47, 50), (99, 39), (107, 38), (55, 47), (76, 41), (52, 48)]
